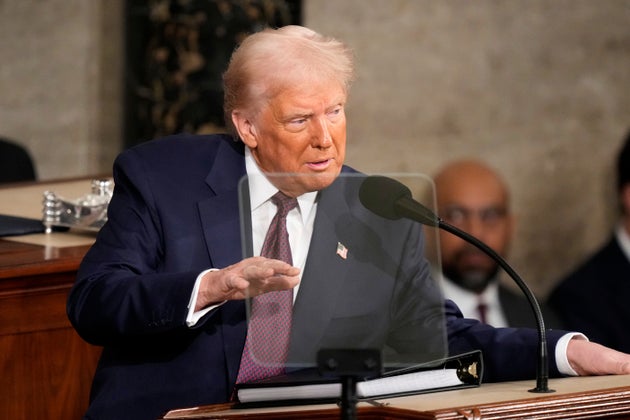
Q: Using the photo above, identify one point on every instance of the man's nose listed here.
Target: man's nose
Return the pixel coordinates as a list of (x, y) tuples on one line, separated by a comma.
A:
[(322, 137)]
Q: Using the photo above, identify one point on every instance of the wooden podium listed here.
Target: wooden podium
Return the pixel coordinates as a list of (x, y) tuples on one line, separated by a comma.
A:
[(47, 368), (575, 398)]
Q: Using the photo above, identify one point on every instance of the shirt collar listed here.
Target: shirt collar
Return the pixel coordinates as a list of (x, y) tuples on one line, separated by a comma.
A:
[(489, 296), (261, 190)]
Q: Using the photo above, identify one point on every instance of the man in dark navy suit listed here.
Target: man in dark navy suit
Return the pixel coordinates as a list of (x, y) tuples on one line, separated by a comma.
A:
[(594, 297), (163, 288)]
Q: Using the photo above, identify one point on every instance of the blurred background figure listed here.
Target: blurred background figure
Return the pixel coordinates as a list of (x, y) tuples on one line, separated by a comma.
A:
[(16, 163), (594, 297), (474, 198)]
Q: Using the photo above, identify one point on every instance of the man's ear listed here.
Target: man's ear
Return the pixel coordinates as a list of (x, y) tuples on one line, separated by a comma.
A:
[(245, 129)]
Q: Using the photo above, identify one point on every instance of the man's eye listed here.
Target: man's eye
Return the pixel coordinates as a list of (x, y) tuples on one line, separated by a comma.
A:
[(335, 111), (298, 121), (455, 215), (492, 215)]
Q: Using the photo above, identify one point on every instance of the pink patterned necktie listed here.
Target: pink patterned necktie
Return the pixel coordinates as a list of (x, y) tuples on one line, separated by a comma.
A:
[(267, 342)]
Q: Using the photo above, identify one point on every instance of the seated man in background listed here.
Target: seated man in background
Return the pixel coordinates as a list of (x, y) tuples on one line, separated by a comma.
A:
[(594, 298), (163, 288), (474, 198), (16, 163)]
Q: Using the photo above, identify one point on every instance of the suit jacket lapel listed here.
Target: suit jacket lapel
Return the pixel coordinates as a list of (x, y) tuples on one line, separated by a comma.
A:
[(323, 275), (219, 213)]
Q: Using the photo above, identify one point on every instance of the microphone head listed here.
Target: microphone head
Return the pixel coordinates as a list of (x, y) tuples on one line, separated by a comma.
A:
[(380, 195)]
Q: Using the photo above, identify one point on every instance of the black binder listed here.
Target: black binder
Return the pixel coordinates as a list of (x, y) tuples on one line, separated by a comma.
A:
[(15, 225), (307, 386)]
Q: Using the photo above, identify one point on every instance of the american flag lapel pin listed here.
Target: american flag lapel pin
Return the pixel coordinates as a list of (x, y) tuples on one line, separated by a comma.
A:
[(342, 251)]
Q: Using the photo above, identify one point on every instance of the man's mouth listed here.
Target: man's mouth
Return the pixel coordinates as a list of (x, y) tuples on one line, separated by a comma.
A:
[(320, 164)]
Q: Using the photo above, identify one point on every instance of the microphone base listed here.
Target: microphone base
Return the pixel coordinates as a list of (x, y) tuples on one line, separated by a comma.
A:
[(541, 390), (542, 384)]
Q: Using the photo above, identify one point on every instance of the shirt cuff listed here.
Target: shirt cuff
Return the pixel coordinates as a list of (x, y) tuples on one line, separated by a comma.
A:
[(562, 361), (193, 317)]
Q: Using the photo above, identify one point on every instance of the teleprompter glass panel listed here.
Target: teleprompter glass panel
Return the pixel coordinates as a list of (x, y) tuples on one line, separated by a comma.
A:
[(367, 281)]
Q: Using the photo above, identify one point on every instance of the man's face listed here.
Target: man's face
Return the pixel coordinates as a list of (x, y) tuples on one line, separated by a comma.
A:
[(477, 204), (300, 131)]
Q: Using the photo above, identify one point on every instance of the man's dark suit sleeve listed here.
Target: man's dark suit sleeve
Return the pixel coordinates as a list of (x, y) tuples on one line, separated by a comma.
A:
[(509, 353)]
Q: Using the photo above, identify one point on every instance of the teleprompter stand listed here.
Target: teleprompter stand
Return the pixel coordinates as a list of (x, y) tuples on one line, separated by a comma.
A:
[(349, 365)]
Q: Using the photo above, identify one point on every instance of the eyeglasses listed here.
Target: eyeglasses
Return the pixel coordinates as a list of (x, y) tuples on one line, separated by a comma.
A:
[(489, 216)]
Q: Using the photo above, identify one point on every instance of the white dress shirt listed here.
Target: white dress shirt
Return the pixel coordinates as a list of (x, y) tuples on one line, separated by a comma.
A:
[(468, 301)]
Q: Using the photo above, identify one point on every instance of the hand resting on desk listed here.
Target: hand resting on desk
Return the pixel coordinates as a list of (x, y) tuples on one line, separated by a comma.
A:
[(588, 358)]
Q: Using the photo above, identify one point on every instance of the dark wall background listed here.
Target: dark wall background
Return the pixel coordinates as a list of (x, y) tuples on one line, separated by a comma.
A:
[(176, 53)]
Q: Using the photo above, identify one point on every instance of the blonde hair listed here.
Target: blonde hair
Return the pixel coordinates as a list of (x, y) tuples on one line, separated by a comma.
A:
[(273, 59)]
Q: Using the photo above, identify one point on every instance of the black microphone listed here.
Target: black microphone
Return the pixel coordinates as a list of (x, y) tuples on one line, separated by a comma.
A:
[(392, 200)]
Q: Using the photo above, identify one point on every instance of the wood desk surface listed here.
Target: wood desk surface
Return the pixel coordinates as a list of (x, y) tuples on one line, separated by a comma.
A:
[(26, 200), (19, 259), (584, 397)]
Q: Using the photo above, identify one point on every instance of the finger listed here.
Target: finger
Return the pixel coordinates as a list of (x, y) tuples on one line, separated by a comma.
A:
[(287, 270), (236, 283), (256, 273), (269, 269), (281, 267), (282, 283)]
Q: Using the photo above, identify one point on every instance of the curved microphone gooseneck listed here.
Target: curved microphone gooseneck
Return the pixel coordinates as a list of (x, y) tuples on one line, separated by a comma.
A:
[(392, 200)]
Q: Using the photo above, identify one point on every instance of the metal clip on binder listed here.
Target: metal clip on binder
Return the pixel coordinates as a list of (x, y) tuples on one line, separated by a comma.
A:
[(88, 212)]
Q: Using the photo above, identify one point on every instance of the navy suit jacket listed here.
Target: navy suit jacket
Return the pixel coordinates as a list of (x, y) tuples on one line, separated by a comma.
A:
[(594, 298), (175, 212)]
